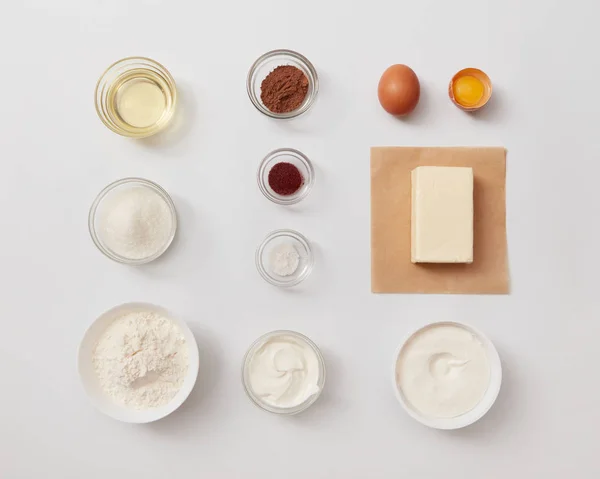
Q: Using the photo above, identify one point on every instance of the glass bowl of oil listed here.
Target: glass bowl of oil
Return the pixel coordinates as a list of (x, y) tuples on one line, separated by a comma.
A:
[(136, 97)]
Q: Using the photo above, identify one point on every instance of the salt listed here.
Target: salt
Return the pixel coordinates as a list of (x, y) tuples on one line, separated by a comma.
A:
[(284, 259)]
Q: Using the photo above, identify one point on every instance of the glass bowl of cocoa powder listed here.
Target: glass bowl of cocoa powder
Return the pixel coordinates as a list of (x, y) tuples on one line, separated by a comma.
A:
[(282, 84)]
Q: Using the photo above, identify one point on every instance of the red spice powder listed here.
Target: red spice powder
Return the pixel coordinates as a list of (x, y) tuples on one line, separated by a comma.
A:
[(285, 179)]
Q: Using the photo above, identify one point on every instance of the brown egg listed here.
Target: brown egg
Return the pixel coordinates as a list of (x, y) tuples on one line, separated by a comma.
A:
[(399, 90)]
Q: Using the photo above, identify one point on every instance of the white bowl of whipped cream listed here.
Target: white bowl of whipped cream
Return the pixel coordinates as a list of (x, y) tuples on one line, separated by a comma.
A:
[(283, 372), (447, 375)]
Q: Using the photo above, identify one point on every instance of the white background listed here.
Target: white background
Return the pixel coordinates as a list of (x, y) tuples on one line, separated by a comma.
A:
[(57, 155)]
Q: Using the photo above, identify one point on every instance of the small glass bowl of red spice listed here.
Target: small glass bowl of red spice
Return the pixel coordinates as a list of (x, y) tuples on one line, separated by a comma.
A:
[(282, 84), (286, 176)]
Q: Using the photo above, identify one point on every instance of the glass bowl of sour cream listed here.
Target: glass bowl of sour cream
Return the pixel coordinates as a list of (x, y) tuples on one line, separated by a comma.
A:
[(447, 375), (283, 372)]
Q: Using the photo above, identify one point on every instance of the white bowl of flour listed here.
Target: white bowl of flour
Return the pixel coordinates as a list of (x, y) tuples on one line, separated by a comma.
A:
[(138, 363)]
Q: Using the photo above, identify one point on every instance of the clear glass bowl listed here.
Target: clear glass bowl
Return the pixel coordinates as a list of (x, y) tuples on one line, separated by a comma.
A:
[(265, 251), (120, 74), (296, 158), (257, 400), (97, 206), (265, 65)]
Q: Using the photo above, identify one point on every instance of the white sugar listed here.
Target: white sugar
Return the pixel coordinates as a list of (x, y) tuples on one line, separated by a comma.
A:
[(135, 223)]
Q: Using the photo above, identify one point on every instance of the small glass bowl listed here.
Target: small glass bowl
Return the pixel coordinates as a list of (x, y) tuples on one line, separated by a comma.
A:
[(296, 158), (116, 76), (265, 65), (97, 204), (264, 251), (268, 407)]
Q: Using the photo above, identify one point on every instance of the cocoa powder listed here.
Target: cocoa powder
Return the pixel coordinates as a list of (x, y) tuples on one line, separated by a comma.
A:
[(284, 89)]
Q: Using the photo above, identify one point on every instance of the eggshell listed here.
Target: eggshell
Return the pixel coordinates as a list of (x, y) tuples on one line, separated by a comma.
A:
[(482, 77), (399, 90)]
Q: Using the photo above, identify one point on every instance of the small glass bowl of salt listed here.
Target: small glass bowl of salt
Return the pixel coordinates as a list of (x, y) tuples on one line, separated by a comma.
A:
[(284, 258), (132, 221)]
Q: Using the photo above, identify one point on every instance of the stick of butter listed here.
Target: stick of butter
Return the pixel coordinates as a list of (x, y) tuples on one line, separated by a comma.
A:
[(442, 214)]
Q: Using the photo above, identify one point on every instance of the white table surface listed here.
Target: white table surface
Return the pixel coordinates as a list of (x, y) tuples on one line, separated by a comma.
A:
[(56, 156)]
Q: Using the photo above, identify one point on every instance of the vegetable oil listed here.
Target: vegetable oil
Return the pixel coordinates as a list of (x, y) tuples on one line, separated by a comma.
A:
[(136, 97)]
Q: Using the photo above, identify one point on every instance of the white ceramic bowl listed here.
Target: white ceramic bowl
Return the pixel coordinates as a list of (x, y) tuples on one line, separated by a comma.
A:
[(481, 408), (90, 382)]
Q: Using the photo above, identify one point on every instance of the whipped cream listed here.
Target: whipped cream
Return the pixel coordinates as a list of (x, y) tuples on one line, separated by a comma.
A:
[(443, 370), (284, 371)]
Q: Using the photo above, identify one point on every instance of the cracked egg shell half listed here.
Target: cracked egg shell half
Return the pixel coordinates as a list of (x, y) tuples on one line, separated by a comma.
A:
[(470, 89)]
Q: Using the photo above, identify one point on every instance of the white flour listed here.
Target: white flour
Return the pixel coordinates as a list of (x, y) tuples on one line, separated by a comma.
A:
[(135, 222), (141, 360)]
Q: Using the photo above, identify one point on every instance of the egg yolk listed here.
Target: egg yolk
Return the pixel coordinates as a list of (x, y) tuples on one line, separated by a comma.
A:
[(468, 90)]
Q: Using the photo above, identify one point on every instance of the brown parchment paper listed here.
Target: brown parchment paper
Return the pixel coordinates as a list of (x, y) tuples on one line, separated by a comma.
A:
[(391, 268)]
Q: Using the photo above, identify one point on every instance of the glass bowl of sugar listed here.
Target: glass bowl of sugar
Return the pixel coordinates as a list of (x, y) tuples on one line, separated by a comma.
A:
[(284, 258), (132, 221)]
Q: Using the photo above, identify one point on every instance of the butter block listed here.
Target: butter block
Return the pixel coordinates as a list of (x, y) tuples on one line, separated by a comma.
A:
[(442, 214)]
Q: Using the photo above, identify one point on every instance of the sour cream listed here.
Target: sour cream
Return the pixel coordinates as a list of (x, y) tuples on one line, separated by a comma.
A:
[(443, 370), (283, 370)]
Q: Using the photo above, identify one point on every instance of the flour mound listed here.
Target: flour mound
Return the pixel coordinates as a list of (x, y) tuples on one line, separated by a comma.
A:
[(141, 360)]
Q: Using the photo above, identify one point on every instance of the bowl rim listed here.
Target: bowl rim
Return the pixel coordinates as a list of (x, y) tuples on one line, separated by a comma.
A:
[(98, 200), (486, 402), (134, 416), (314, 82), (274, 409), (295, 197), (296, 236)]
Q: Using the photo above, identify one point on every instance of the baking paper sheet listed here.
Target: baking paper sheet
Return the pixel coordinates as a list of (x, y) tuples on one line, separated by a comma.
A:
[(391, 268)]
